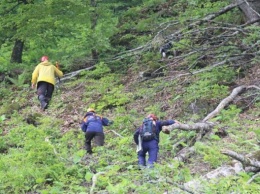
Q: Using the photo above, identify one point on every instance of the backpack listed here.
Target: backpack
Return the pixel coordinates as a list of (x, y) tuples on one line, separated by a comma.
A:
[(148, 130)]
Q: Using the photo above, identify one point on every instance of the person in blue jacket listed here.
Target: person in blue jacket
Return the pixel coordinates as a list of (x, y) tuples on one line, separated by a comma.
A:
[(92, 125), (152, 146)]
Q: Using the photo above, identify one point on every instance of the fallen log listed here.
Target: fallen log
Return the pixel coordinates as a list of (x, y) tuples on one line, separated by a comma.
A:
[(188, 127), (236, 91), (246, 161), (74, 73)]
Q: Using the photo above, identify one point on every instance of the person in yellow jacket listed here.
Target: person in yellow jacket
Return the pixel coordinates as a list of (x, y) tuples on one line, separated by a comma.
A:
[(44, 77)]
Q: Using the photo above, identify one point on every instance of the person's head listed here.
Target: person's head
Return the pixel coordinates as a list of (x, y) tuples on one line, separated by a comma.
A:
[(152, 116), (44, 58), (91, 110)]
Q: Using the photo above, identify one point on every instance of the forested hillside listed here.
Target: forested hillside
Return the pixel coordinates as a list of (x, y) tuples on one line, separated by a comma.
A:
[(194, 61)]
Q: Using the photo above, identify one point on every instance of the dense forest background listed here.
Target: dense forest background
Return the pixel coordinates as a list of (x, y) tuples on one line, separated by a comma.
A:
[(109, 52)]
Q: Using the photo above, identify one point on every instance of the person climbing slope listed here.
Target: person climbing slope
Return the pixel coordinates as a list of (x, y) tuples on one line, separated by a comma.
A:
[(44, 77), (147, 137), (92, 125)]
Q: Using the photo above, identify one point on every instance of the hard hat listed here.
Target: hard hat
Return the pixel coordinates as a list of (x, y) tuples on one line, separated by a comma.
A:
[(91, 110), (153, 116), (44, 58)]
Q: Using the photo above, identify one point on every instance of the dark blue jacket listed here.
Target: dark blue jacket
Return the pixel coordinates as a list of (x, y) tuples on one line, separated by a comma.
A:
[(158, 127), (94, 123)]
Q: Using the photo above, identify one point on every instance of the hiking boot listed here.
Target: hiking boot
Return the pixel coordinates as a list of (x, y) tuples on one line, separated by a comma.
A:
[(141, 167), (43, 102), (89, 152), (150, 166), (43, 105)]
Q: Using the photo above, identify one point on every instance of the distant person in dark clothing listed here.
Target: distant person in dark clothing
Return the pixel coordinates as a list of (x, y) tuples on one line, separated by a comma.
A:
[(165, 49), (92, 125), (44, 76), (150, 146)]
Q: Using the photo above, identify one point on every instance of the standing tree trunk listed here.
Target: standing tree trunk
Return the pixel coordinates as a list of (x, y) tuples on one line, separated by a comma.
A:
[(94, 18), (251, 10), (17, 52)]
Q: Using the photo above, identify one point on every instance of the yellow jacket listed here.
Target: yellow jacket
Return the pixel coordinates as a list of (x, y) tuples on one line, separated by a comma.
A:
[(45, 71)]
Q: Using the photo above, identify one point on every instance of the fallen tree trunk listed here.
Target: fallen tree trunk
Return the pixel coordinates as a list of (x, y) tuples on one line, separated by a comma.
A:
[(74, 73), (249, 163), (224, 102), (236, 91), (188, 127), (246, 161), (204, 127)]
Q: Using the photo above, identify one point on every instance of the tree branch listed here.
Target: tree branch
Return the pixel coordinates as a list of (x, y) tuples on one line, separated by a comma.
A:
[(253, 177), (244, 160), (74, 73), (94, 181), (188, 127), (236, 91), (224, 102)]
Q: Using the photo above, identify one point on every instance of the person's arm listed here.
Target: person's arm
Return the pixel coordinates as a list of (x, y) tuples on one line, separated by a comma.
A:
[(58, 72), (35, 75), (83, 126), (106, 122), (167, 123), (136, 134)]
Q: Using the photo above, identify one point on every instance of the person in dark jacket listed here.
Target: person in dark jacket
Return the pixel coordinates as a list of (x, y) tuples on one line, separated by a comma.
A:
[(165, 49), (152, 146), (92, 125)]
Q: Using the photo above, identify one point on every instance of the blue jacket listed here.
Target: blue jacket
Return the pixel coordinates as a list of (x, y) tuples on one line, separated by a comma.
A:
[(158, 127), (94, 123)]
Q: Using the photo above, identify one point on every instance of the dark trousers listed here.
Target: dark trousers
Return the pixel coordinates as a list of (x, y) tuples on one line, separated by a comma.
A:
[(45, 91), (150, 147), (99, 139)]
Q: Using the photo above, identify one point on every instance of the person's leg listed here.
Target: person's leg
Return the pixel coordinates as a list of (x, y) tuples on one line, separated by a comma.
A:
[(41, 91), (88, 137), (141, 157), (153, 153), (99, 139), (49, 92)]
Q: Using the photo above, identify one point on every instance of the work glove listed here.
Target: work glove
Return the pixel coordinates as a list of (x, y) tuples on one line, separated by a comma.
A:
[(177, 122), (166, 131), (110, 122), (57, 65)]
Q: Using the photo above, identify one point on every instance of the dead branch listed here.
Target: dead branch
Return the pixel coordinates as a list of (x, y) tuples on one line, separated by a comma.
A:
[(179, 142), (180, 187), (225, 102), (184, 154), (253, 177), (115, 133), (94, 181), (243, 159), (74, 73), (236, 91), (188, 127), (207, 18)]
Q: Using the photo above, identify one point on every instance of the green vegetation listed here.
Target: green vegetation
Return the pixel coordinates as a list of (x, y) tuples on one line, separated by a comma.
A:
[(43, 152)]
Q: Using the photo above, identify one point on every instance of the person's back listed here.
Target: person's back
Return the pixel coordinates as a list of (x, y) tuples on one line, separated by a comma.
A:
[(151, 144), (46, 71), (95, 122), (44, 76), (92, 125)]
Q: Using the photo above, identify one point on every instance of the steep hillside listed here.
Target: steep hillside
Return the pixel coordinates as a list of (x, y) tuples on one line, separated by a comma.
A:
[(209, 81), (54, 161)]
